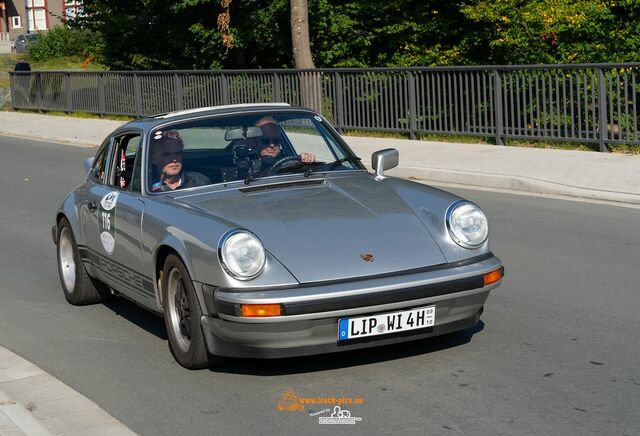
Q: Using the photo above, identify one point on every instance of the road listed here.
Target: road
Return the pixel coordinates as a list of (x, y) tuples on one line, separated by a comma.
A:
[(557, 350)]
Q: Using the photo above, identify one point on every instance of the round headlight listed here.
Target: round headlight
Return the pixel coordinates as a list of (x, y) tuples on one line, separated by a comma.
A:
[(242, 254), (467, 224)]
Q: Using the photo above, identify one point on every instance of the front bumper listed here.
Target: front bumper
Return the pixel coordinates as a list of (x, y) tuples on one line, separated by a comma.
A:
[(309, 324)]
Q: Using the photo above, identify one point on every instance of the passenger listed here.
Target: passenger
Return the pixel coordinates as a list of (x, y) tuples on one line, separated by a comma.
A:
[(270, 144), (168, 171)]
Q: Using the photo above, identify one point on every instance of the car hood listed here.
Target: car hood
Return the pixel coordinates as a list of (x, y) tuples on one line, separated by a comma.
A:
[(331, 229)]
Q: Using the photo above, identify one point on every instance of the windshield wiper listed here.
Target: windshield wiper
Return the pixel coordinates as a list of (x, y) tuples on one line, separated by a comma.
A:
[(309, 166), (249, 178), (297, 165), (352, 159)]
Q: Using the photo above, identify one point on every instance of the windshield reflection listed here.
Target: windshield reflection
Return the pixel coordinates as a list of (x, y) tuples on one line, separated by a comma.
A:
[(243, 148)]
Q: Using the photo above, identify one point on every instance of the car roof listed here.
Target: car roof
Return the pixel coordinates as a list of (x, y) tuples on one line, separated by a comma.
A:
[(239, 109)]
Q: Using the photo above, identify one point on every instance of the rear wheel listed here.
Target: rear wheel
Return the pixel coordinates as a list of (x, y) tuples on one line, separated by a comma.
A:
[(78, 286), (182, 315)]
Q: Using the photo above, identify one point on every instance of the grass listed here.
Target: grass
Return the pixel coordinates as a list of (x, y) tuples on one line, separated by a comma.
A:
[(465, 139), (72, 63), (8, 63)]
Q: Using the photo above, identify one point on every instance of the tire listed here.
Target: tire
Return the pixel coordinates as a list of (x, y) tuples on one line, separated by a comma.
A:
[(79, 287), (182, 315)]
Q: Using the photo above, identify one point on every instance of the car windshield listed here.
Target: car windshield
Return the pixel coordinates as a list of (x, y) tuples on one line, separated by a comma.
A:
[(226, 149)]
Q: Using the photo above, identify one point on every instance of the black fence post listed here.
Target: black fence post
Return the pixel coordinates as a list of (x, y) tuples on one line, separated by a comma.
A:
[(102, 104), (137, 95), (497, 102), (277, 94), (177, 84), (602, 111), (339, 103), (67, 90), (224, 89), (12, 87), (413, 106), (39, 91)]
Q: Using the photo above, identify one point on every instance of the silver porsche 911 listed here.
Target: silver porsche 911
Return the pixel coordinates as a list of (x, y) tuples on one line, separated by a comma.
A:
[(256, 232)]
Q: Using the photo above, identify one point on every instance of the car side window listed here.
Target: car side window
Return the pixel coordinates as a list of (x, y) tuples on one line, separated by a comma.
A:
[(99, 167), (126, 165)]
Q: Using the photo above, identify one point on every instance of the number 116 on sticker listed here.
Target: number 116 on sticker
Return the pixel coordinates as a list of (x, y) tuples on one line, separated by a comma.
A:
[(106, 220)]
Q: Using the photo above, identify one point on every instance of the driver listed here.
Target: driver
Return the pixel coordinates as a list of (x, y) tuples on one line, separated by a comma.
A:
[(169, 173), (270, 144)]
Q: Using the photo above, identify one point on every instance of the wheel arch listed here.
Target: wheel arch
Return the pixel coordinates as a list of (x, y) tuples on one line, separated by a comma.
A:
[(72, 224), (70, 211), (161, 252)]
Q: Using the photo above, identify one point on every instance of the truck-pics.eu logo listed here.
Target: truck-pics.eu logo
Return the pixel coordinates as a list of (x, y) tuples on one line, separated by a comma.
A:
[(290, 402)]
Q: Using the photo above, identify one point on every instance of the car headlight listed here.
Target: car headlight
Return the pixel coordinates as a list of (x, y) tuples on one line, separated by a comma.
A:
[(241, 254), (467, 224)]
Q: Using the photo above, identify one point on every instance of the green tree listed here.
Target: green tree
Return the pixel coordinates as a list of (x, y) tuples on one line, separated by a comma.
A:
[(551, 31), (60, 42), (155, 34)]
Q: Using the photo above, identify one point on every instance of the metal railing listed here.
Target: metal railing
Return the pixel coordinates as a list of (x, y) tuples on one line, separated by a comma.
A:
[(590, 103)]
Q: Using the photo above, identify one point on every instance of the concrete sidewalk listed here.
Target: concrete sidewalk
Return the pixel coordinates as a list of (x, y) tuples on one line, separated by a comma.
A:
[(591, 175), (33, 402)]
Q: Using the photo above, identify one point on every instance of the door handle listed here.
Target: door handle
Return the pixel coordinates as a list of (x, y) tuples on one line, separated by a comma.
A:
[(93, 206)]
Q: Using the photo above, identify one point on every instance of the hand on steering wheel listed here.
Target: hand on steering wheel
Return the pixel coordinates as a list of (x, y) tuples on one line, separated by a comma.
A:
[(282, 163)]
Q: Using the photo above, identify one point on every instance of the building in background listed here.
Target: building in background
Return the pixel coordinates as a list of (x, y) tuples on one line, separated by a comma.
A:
[(21, 17)]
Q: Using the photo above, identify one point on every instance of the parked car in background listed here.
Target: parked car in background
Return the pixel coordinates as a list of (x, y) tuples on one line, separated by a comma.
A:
[(22, 42), (256, 232)]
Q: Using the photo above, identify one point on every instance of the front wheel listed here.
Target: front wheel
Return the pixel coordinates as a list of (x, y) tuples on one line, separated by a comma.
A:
[(78, 286), (182, 315)]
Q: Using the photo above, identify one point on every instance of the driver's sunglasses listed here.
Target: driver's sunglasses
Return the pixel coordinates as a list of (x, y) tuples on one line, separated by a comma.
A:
[(172, 155), (270, 142)]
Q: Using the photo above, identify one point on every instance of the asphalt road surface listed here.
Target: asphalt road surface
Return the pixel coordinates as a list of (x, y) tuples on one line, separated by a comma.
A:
[(557, 351)]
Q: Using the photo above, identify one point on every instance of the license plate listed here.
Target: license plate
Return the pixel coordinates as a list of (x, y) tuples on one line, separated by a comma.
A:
[(374, 325)]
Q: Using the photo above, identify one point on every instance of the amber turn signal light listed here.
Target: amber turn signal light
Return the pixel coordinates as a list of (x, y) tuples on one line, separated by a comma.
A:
[(492, 277), (260, 310)]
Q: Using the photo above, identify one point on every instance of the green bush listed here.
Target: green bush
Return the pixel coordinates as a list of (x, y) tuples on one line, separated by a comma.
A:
[(62, 41)]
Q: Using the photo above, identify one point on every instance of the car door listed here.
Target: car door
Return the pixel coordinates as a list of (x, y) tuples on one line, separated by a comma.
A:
[(116, 227), (94, 189)]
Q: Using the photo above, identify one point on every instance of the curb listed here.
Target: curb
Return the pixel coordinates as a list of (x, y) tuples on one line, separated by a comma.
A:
[(20, 419), (511, 183), (33, 402), (45, 138), (436, 175)]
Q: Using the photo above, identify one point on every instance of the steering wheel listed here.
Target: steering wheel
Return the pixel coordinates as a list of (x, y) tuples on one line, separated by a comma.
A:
[(281, 163)]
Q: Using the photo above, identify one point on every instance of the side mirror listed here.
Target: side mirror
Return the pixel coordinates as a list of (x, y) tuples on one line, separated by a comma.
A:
[(383, 160), (88, 163)]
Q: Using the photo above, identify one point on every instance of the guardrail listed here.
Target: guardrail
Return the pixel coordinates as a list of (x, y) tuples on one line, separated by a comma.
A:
[(591, 103)]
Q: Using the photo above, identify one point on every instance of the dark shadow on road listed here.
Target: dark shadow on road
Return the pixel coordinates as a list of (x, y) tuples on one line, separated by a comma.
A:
[(139, 316), (154, 324), (295, 365)]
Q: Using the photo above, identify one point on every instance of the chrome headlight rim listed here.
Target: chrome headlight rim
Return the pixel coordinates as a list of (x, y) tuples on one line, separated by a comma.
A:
[(452, 234), (224, 263)]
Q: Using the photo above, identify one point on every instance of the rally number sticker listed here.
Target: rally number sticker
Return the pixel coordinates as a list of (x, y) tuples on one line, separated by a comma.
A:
[(107, 221)]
